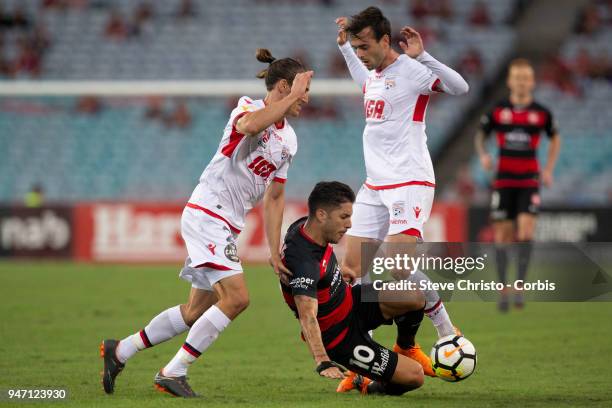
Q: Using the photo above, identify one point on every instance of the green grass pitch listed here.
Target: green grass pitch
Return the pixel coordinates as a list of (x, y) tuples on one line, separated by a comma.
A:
[(55, 314)]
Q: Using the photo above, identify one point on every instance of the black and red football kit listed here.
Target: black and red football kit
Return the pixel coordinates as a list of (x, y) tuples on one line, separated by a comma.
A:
[(517, 130), (344, 320)]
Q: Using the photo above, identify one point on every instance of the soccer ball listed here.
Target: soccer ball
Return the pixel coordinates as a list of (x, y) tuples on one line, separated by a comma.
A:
[(453, 358)]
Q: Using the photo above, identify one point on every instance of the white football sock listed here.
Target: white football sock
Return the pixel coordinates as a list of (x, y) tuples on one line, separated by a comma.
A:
[(202, 334), (164, 326), (440, 319), (434, 308)]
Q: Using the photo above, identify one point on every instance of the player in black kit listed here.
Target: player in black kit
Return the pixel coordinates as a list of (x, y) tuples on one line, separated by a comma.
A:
[(334, 319), (518, 124)]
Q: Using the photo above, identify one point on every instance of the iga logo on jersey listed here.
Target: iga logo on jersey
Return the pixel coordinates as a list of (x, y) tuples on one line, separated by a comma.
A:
[(262, 167), (374, 109), (378, 109)]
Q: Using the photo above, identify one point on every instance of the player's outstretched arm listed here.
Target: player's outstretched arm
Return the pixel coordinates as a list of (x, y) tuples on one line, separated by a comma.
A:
[(255, 122), (452, 82), (358, 71), (274, 205), (307, 310)]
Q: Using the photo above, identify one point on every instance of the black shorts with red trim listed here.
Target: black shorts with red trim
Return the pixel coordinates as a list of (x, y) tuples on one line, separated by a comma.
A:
[(508, 203), (358, 351)]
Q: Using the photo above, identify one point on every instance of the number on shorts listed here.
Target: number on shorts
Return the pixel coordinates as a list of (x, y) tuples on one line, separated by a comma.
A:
[(363, 354)]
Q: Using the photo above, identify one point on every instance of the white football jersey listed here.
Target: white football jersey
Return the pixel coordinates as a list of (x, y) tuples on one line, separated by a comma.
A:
[(394, 140), (237, 176)]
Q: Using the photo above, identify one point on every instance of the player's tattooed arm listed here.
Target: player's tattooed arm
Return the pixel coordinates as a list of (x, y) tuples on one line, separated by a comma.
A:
[(307, 310), (274, 204), (255, 122)]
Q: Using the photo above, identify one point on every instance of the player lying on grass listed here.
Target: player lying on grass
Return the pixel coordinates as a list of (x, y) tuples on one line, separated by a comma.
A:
[(335, 317), (251, 163)]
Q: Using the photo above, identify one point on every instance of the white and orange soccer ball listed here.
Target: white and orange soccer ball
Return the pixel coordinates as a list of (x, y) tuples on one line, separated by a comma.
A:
[(453, 358)]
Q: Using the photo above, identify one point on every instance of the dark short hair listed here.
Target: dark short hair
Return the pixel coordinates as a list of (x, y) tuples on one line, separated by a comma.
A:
[(329, 194), (370, 17)]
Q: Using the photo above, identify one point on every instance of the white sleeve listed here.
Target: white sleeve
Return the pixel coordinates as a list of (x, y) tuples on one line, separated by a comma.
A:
[(280, 176), (245, 105), (358, 71), (451, 82)]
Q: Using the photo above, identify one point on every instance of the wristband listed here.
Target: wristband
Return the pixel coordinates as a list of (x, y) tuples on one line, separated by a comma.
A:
[(324, 365)]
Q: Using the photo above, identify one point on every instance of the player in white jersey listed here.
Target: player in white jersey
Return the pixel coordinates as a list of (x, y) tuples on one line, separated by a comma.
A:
[(396, 198), (251, 163)]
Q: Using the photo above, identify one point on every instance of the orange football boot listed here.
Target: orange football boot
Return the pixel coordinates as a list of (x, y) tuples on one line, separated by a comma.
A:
[(417, 355), (354, 381)]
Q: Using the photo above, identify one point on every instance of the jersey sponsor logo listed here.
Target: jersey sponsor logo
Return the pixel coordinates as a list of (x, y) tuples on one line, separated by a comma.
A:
[(231, 252), (533, 118), (263, 140), (261, 167), (285, 153), (379, 368), (335, 283), (397, 208), (374, 109), (363, 356), (417, 211), (211, 248), (517, 140), (505, 116), (398, 222), (389, 83), (301, 283)]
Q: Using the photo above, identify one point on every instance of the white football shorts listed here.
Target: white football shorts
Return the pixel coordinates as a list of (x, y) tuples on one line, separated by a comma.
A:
[(211, 246), (379, 213)]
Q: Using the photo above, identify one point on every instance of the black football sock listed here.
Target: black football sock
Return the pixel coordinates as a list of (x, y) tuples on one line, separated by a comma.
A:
[(501, 259), (387, 388), (407, 327), (524, 256)]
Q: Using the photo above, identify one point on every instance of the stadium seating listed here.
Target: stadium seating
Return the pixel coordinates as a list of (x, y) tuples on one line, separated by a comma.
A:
[(117, 154)]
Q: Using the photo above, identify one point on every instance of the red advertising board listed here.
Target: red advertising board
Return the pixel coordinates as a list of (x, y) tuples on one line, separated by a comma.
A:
[(146, 232)]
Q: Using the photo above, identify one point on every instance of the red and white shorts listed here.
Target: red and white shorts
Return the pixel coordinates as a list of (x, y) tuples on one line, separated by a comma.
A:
[(211, 246), (383, 212)]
